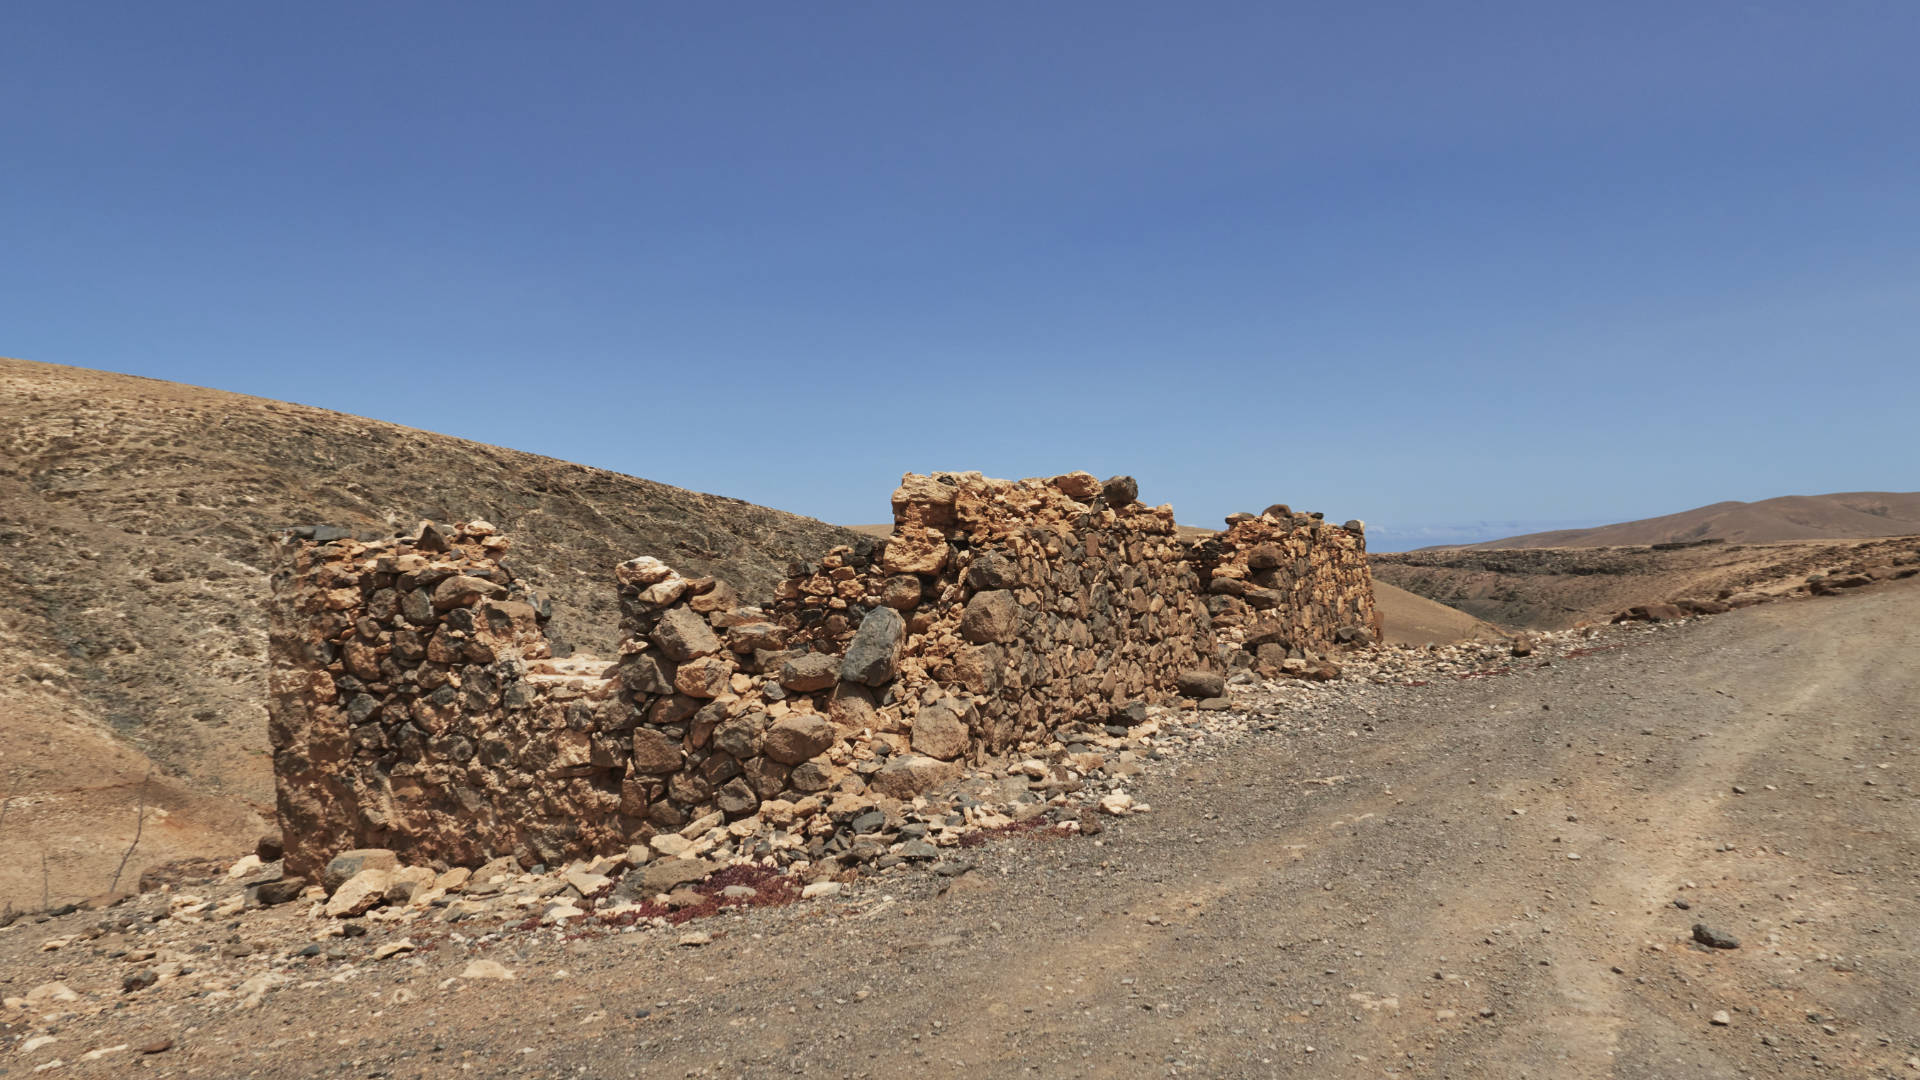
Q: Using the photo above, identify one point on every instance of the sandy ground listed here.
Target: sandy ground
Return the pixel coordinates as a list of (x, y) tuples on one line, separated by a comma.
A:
[(1407, 619), (1472, 878), (77, 799)]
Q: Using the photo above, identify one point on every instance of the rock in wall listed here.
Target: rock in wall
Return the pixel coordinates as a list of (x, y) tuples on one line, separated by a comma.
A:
[(416, 705)]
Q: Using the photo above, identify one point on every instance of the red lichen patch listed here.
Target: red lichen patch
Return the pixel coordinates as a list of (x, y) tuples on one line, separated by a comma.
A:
[(771, 888), (1034, 828)]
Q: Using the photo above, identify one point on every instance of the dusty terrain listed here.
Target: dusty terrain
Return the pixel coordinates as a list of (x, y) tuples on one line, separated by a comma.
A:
[(1555, 588), (133, 515), (1468, 869), (1841, 516)]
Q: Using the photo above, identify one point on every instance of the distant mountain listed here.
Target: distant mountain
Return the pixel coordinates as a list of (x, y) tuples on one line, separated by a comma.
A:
[(1852, 515), (133, 584)]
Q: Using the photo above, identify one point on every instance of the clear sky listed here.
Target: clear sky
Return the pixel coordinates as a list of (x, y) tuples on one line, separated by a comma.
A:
[(1458, 269)]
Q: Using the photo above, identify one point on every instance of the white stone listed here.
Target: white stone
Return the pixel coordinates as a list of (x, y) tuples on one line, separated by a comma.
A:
[(701, 825), (485, 969), (560, 913), (1116, 804), (819, 889), (361, 893), (587, 884), (50, 994), (670, 844)]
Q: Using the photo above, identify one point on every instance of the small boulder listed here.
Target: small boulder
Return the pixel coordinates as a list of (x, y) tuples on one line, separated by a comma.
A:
[(647, 672), (663, 875), (1197, 683), (992, 570), (1714, 939), (682, 634), (704, 677), (655, 753), (1120, 491), (907, 775), (940, 730), (463, 591), (874, 654), (991, 616), (360, 894), (1078, 485), (901, 592), (348, 863), (283, 891), (797, 738), (808, 672)]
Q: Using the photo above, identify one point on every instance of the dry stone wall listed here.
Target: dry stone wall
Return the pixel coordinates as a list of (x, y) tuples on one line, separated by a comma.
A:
[(1289, 588), (416, 705)]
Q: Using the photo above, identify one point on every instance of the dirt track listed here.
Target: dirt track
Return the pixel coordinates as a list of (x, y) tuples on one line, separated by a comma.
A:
[(1348, 895)]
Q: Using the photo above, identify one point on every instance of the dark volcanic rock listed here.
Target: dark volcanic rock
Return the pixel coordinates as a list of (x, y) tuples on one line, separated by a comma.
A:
[(1714, 939)]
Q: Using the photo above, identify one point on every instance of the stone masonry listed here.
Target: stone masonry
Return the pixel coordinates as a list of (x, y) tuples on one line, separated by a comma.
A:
[(416, 705), (1286, 586)]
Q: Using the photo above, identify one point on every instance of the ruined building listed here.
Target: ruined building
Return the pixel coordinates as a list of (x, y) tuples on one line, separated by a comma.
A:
[(416, 704)]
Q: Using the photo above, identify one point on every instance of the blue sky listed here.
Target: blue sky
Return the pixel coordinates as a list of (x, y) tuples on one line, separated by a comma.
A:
[(1461, 270)]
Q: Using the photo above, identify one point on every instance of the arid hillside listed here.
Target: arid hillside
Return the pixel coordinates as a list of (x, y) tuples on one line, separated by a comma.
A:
[(1555, 588), (133, 518), (1844, 516)]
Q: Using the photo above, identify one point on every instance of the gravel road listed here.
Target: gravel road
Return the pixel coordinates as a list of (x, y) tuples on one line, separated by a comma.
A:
[(1491, 877)]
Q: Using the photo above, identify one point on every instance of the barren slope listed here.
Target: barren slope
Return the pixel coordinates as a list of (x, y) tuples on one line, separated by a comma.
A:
[(1409, 619), (1842, 516), (1554, 588), (132, 519)]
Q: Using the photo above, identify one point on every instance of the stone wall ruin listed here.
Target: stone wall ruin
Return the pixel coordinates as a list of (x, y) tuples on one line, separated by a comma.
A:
[(416, 704)]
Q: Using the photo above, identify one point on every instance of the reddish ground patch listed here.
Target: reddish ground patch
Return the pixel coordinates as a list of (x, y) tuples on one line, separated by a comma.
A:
[(771, 889), (1034, 828)]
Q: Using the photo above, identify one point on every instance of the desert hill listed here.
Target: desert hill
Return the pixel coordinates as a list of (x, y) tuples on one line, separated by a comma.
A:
[(1556, 588), (1843, 516), (133, 518)]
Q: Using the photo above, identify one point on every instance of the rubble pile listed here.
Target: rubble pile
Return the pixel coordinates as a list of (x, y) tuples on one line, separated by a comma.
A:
[(416, 704)]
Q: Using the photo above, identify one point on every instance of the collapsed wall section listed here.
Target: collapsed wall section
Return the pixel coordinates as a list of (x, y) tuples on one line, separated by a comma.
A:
[(416, 705)]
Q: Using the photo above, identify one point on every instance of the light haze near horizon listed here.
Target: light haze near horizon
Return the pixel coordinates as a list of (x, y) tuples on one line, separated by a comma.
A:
[(1462, 271)]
